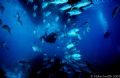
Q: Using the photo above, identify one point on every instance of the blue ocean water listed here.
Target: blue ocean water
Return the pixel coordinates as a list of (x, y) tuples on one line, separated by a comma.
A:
[(87, 30)]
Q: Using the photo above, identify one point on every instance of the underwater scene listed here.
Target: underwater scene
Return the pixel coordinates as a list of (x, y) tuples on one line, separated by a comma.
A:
[(59, 38)]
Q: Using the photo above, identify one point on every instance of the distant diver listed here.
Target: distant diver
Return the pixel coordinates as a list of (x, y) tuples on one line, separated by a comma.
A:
[(2, 8), (6, 28), (115, 11), (50, 38), (1, 22), (107, 34), (19, 18), (3, 44)]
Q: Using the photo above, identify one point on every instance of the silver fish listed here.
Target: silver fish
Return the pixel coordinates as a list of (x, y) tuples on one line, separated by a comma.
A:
[(74, 12), (81, 4), (35, 7), (65, 7), (45, 4), (59, 1)]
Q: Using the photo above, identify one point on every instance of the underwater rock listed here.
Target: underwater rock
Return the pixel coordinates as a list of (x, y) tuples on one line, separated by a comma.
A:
[(6, 28)]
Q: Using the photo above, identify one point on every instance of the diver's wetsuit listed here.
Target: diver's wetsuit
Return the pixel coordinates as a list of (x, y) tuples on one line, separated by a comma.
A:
[(51, 38)]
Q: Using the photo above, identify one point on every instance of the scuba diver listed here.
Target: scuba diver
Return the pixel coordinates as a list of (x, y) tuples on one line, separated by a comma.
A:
[(50, 38)]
